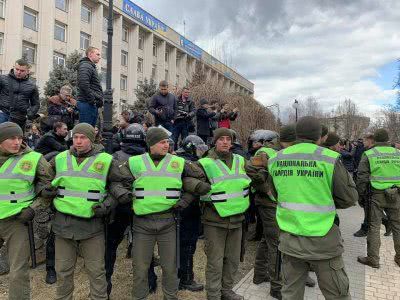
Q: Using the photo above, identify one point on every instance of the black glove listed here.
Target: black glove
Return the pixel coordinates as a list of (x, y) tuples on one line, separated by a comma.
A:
[(126, 198), (26, 215), (100, 210), (99, 103)]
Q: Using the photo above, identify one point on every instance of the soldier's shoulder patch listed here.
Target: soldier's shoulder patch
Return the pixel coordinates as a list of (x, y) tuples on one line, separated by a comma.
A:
[(99, 166), (26, 166), (175, 165)]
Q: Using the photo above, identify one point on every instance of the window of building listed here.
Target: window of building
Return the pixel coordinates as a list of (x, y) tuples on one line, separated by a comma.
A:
[(140, 65), (155, 49), (104, 48), (125, 34), (105, 24), (85, 41), (86, 14), (60, 31), (30, 19), (166, 75), (154, 71), (58, 59), (141, 41), (124, 58), (29, 52), (166, 55), (2, 8), (124, 82), (62, 4)]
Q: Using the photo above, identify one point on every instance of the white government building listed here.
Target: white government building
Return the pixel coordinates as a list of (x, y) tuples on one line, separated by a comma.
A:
[(143, 46)]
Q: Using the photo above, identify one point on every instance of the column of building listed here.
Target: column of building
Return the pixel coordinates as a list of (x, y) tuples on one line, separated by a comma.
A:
[(133, 39), (116, 65), (12, 34)]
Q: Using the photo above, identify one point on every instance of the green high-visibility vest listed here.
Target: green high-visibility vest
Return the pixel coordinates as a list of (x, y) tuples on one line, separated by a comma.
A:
[(268, 151), (229, 187), (384, 162), (302, 176), (156, 188), (80, 187), (17, 189)]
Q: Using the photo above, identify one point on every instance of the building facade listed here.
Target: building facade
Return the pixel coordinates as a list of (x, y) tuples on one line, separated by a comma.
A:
[(46, 31)]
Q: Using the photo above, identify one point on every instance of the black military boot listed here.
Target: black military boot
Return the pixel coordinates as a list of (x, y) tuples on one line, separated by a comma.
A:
[(186, 275), (152, 278), (276, 294), (361, 233), (51, 276), (365, 260), (309, 281), (230, 295), (388, 228)]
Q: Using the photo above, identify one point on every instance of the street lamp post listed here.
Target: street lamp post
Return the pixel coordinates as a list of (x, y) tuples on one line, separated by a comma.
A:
[(108, 97), (296, 106)]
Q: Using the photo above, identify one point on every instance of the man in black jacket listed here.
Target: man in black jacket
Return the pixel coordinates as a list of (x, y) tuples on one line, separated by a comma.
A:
[(204, 116), (184, 115), (163, 107), (19, 96), (90, 93), (53, 141)]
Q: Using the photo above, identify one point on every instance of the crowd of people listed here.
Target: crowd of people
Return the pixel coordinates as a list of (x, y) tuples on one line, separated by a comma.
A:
[(169, 182)]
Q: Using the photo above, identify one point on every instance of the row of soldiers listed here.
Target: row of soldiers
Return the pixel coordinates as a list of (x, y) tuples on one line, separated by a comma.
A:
[(298, 187)]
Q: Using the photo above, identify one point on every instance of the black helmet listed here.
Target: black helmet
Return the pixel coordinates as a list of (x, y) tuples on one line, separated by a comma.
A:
[(134, 134), (263, 135), (193, 142)]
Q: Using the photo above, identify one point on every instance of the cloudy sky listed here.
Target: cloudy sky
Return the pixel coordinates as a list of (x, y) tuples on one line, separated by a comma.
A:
[(331, 50)]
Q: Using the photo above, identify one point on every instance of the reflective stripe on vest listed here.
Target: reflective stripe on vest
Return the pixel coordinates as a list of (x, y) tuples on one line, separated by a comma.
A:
[(384, 162), (302, 176), (82, 173), (17, 189), (229, 187), (82, 186), (156, 188)]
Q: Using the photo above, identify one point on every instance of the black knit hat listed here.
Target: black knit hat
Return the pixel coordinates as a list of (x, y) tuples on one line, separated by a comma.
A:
[(287, 133), (9, 130), (308, 128), (381, 135), (155, 135), (332, 139), (222, 132)]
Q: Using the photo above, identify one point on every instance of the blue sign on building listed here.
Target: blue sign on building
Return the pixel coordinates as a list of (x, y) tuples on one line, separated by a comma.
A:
[(143, 17), (191, 48)]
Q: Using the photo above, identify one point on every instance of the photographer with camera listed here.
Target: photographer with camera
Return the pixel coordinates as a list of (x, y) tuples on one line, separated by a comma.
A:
[(62, 108), (163, 106), (90, 93), (184, 115), (226, 116)]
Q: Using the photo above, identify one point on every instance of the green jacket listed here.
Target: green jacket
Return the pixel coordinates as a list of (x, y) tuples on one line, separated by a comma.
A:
[(331, 245), (71, 227), (363, 174), (192, 185), (209, 213), (44, 176)]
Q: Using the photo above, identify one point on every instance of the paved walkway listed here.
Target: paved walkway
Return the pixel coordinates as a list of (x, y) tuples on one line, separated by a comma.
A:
[(365, 282)]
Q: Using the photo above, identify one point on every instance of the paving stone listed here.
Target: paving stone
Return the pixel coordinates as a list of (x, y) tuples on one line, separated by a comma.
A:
[(365, 282)]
